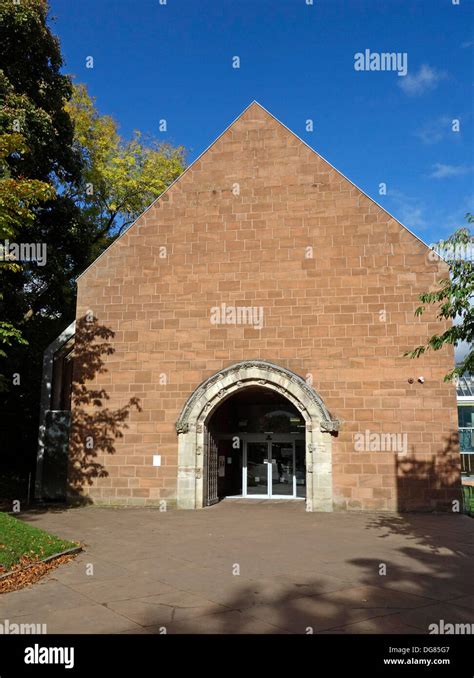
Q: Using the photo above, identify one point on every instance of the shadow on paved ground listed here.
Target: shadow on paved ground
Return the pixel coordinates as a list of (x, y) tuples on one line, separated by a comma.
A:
[(247, 568), (424, 579)]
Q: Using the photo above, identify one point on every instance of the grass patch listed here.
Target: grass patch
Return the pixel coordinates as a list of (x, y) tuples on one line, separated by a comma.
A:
[(20, 542)]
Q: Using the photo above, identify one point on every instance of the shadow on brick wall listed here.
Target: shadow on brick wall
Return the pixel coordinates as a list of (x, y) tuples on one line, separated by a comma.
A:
[(431, 484), (94, 427)]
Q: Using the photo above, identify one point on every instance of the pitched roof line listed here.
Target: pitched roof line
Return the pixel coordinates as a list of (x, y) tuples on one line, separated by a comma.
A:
[(384, 209), (168, 188), (254, 101)]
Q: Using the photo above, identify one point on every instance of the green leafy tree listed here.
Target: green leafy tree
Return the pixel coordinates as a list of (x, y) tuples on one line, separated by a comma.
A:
[(36, 155), (121, 177), (17, 197), (54, 148), (455, 297), (37, 159)]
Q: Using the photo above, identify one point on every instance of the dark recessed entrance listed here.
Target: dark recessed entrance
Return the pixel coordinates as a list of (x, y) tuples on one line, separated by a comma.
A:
[(256, 448)]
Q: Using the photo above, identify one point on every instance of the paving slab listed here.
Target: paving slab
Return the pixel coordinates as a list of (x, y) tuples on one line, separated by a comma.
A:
[(251, 567), (121, 588), (330, 610), (85, 619), (85, 569), (233, 621), (422, 618), (165, 609), (45, 597), (464, 601), (392, 623), (154, 566)]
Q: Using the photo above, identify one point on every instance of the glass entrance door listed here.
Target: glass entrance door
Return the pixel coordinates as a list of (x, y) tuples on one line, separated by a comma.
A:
[(257, 469), (269, 469), (283, 465)]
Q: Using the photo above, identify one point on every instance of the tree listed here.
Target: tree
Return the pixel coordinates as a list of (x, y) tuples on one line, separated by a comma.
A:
[(121, 178), (17, 197), (37, 160), (454, 296), (67, 182), (36, 91), (36, 148)]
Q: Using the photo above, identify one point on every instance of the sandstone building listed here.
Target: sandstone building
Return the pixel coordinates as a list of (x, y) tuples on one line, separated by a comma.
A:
[(245, 337)]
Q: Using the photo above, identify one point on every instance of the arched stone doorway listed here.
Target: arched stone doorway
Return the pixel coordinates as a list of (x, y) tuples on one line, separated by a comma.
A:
[(255, 448), (195, 442)]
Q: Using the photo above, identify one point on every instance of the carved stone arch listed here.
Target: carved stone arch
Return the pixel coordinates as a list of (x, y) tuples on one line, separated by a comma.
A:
[(191, 428)]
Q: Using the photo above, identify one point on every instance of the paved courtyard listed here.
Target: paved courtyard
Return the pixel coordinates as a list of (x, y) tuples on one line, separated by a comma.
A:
[(252, 567)]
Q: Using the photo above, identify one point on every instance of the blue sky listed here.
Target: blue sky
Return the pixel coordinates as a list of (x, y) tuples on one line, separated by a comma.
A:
[(173, 61)]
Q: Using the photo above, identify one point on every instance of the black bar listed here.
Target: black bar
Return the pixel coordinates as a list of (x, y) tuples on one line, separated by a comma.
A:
[(324, 654)]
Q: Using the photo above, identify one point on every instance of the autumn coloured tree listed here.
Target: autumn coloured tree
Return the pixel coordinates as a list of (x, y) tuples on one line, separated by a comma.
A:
[(17, 198), (120, 177), (69, 183)]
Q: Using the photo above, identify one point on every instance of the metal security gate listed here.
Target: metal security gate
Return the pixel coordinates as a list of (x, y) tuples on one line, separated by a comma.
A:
[(211, 468)]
